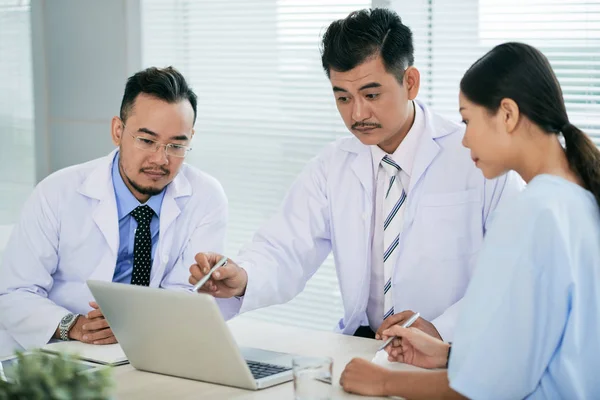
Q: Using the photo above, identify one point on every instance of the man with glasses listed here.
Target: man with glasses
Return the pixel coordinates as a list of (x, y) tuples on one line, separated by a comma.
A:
[(137, 216)]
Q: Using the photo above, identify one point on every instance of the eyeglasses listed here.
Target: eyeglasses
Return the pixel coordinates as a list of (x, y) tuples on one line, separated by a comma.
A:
[(171, 149)]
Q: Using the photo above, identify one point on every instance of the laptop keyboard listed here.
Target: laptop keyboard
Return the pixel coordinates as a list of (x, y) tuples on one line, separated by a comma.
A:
[(261, 370)]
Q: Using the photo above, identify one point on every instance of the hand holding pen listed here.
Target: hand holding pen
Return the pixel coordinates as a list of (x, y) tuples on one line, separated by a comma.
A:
[(407, 324), (218, 276), (413, 346)]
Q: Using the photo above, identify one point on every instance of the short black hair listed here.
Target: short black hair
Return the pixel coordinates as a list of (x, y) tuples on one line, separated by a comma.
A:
[(363, 34), (163, 83)]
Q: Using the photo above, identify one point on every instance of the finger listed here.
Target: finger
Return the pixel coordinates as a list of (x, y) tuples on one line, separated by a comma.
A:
[(349, 384), (95, 325), (388, 349), (225, 272), (399, 331), (94, 305), (391, 321), (202, 263), (207, 260), (196, 274), (91, 337), (108, 340), (95, 314)]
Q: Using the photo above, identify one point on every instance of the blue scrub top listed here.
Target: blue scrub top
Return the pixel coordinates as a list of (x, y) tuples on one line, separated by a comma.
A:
[(530, 320)]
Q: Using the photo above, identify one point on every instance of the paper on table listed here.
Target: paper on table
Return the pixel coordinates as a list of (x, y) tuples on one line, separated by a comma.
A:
[(110, 354), (381, 358)]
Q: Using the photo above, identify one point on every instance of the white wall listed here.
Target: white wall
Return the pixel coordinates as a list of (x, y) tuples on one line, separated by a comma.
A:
[(83, 53)]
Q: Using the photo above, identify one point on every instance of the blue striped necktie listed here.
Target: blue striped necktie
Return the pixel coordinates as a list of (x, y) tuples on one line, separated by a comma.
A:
[(395, 197)]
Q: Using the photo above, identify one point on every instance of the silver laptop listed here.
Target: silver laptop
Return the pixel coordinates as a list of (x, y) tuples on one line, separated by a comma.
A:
[(183, 334)]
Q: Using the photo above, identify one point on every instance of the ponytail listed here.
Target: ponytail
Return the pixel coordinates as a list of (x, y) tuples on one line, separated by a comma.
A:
[(584, 158), (522, 73)]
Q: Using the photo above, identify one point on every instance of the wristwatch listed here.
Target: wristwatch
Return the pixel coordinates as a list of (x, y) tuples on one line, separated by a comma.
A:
[(448, 358), (66, 323)]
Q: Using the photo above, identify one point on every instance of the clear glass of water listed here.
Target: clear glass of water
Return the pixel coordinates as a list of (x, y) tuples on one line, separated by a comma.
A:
[(312, 378)]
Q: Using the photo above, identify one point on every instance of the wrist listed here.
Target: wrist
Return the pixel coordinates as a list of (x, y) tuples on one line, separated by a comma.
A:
[(244, 285), (66, 325), (75, 332), (440, 359), (390, 380)]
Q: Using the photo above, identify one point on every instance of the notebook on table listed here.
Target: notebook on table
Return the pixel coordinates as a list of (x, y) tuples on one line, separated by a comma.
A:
[(109, 354)]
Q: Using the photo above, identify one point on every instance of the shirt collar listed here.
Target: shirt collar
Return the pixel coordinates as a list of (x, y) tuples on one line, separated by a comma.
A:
[(405, 154), (126, 201)]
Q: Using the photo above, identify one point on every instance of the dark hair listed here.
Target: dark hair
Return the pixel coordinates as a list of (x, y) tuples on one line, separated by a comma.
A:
[(349, 42), (522, 73), (163, 83)]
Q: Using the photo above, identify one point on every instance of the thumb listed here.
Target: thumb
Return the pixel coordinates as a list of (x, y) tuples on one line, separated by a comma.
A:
[(94, 305), (397, 330), (228, 271)]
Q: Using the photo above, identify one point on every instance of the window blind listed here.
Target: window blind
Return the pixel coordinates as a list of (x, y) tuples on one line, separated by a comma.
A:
[(451, 35), (16, 109), (265, 108)]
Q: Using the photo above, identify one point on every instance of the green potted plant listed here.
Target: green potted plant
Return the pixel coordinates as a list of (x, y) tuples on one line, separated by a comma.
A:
[(39, 375)]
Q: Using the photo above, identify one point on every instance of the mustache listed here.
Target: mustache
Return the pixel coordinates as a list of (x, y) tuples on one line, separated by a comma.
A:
[(156, 169), (365, 125)]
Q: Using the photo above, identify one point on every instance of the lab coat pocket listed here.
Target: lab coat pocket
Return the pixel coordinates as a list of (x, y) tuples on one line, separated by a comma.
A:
[(450, 224)]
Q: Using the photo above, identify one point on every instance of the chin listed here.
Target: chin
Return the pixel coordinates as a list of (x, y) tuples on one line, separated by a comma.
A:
[(149, 188), (369, 140), (492, 173)]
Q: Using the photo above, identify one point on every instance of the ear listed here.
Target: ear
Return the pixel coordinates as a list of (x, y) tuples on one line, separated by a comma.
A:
[(116, 130), (193, 131), (509, 112), (412, 81)]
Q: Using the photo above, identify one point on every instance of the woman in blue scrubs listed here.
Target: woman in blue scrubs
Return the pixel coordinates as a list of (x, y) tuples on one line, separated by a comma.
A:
[(530, 320)]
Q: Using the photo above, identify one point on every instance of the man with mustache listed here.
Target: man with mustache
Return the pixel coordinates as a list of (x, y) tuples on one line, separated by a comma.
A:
[(136, 216), (400, 203)]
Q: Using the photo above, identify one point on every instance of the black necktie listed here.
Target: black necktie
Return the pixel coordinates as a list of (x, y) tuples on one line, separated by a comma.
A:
[(142, 246)]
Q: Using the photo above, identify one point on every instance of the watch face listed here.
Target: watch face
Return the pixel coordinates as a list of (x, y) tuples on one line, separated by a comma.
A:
[(68, 319)]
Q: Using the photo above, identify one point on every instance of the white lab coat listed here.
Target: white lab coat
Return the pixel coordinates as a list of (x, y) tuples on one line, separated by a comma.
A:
[(330, 208), (69, 233)]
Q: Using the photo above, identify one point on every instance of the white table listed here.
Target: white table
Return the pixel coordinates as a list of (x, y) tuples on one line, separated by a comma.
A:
[(133, 384)]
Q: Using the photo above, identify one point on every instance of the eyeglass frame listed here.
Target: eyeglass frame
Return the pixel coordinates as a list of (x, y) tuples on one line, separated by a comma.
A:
[(157, 144)]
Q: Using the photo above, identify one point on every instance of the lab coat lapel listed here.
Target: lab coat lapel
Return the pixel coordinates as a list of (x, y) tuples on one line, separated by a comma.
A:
[(99, 188), (362, 167), (180, 187)]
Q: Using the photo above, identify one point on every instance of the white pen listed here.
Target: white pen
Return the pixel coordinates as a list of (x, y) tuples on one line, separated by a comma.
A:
[(201, 282), (407, 324)]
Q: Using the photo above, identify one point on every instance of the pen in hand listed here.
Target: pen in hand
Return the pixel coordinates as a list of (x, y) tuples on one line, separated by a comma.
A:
[(406, 324), (201, 282)]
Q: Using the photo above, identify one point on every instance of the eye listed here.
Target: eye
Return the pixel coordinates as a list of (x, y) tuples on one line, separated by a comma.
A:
[(342, 99), (372, 96), (146, 141)]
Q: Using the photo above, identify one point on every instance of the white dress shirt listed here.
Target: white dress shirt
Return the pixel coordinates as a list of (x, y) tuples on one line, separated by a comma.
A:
[(404, 157)]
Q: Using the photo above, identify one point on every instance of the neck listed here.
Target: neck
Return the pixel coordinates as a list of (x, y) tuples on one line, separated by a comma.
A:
[(543, 154), (390, 145)]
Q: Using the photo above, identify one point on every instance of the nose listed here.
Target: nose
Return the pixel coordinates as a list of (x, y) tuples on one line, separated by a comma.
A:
[(464, 140), (159, 157), (360, 110)]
